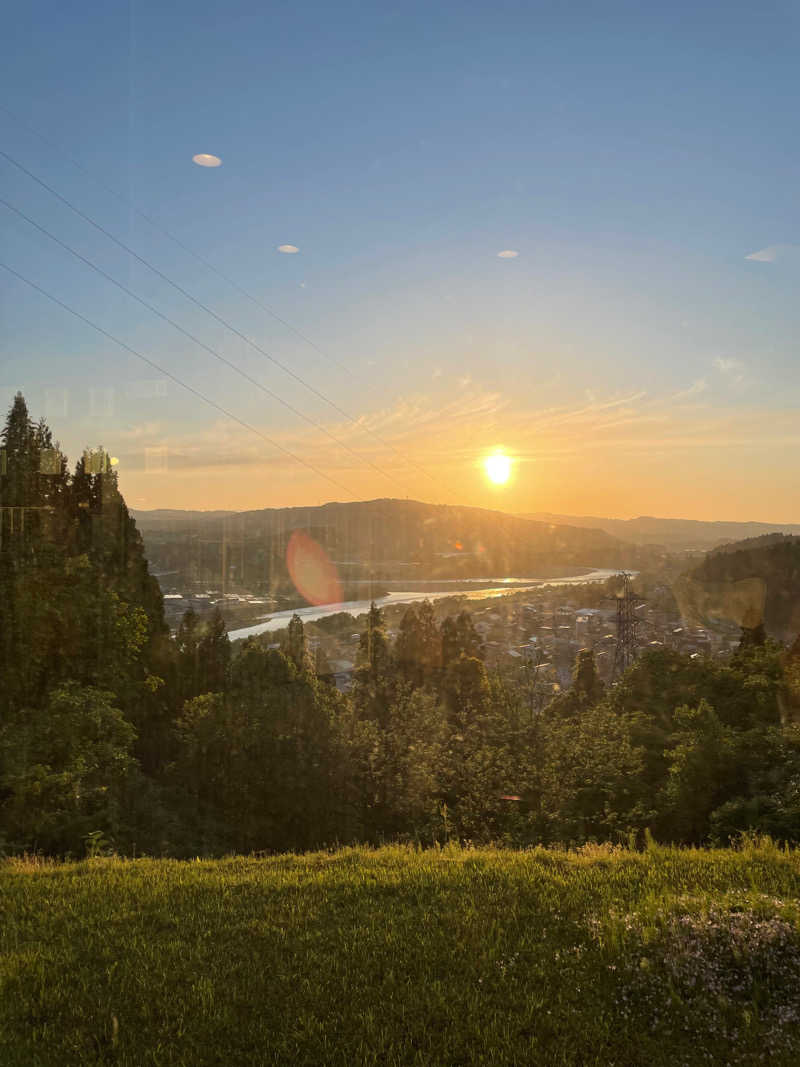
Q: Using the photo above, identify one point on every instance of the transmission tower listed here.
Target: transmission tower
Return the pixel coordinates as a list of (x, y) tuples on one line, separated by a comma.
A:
[(627, 623)]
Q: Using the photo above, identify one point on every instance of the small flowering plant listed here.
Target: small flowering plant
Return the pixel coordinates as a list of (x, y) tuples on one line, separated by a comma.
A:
[(727, 978)]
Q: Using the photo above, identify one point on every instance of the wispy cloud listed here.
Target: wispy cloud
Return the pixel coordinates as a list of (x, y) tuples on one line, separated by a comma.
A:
[(727, 365), (700, 385), (288, 250), (141, 431), (658, 434), (765, 255), (774, 252), (508, 253)]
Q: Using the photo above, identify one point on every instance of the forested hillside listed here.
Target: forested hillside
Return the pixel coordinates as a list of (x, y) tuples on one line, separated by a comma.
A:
[(115, 735), (678, 535), (379, 539)]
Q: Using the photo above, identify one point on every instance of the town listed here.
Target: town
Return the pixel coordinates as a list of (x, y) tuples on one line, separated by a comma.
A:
[(532, 637)]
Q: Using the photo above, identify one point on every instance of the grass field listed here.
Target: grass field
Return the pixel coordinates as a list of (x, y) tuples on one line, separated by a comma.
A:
[(399, 956)]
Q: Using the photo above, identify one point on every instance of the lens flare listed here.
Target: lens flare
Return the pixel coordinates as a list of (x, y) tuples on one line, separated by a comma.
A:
[(205, 159), (314, 574)]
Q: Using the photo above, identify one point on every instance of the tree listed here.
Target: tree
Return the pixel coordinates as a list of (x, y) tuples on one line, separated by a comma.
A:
[(459, 637), (586, 683), (466, 688), (214, 653), (393, 784), (703, 773), (374, 682), (20, 481), (257, 759), (418, 650), (593, 776), (187, 639), (63, 773), (585, 692), (295, 646), (479, 761), (203, 654)]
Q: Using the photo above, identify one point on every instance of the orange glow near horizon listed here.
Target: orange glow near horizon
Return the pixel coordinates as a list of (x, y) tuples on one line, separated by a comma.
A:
[(661, 460)]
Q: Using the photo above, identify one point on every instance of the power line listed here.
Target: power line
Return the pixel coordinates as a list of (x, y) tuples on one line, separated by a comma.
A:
[(217, 355), (178, 288), (350, 418), (176, 240), (177, 380)]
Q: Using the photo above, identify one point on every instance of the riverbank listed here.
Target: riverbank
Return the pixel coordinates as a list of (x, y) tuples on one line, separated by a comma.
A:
[(465, 588)]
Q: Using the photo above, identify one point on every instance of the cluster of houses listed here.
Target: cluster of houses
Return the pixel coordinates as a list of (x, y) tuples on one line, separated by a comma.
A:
[(549, 634), (537, 633)]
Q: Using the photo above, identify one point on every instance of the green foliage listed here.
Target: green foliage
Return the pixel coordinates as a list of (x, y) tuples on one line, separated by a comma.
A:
[(77, 603), (63, 773), (375, 679), (182, 746), (593, 782), (460, 638), (418, 650), (295, 646), (255, 761), (704, 769), (203, 654)]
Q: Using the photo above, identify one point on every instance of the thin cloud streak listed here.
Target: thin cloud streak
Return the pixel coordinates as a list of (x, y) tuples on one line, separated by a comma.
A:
[(726, 365), (447, 440)]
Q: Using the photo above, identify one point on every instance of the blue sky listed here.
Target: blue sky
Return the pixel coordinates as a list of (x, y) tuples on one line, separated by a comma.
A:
[(630, 357)]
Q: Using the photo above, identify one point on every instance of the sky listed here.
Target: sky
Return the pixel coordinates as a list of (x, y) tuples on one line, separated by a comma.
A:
[(327, 314)]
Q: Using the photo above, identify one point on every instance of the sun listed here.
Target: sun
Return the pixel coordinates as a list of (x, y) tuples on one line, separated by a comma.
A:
[(498, 467)]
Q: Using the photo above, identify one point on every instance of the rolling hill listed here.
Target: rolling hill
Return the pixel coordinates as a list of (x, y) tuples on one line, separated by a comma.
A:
[(376, 539), (673, 534)]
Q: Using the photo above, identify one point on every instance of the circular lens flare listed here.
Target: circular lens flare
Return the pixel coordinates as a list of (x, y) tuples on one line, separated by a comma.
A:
[(498, 468), (205, 159), (313, 572)]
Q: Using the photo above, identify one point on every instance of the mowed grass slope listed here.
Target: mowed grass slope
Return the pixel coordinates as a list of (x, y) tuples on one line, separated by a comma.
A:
[(398, 956)]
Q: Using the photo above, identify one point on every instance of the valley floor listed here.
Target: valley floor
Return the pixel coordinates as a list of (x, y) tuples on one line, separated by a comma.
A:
[(401, 957)]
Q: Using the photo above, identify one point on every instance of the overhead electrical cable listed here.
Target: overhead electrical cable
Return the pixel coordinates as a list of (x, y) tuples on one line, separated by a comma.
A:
[(287, 370), (217, 355), (161, 228), (177, 380)]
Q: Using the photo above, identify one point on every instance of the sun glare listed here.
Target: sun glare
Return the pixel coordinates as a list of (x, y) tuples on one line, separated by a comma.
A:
[(498, 468)]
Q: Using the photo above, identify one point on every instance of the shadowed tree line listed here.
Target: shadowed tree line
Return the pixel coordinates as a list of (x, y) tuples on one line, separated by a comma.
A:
[(113, 730)]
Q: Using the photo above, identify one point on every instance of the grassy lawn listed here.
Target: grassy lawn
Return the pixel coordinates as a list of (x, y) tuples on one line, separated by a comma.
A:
[(404, 957)]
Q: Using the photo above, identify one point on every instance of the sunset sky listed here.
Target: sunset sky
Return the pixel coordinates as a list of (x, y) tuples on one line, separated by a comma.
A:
[(636, 354)]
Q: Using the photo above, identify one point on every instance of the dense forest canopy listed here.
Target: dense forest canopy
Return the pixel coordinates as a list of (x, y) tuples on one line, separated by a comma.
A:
[(112, 730)]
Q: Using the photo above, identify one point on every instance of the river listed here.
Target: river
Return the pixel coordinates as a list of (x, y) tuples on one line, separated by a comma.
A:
[(502, 587)]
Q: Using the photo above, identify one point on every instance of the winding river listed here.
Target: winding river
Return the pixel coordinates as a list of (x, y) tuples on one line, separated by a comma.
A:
[(500, 587)]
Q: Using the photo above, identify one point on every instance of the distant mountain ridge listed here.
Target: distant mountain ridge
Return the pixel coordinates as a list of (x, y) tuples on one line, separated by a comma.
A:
[(377, 538), (674, 534)]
